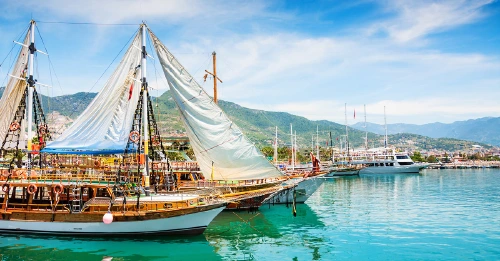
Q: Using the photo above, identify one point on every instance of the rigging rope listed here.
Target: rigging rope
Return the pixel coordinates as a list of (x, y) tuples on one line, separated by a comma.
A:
[(83, 23), (117, 55), (9, 54)]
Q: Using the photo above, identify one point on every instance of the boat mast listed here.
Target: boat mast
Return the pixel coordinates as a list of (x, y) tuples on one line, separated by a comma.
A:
[(214, 56), (293, 148), (214, 75), (366, 130), (385, 124), (31, 87), (145, 106), (276, 146), (317, 142), (346, 131)]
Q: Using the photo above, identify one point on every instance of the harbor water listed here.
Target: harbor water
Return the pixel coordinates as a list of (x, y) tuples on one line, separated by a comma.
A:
[(436, 215)]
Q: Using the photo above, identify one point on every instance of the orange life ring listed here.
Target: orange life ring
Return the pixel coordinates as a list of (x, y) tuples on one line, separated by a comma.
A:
[(5, 188), (58, 189), (42, 130), (5, 173), (32, 189), (97, 163), (134, 136), (14, 126), (156, 166), (155, 140)]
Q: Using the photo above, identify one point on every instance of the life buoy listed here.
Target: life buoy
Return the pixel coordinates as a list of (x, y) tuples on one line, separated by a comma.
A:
[(42, 130), (134, 136), (155, 140), (97, 163), (32, 189), (5, 173), (14, 126), (58, 189), (5, 188), (156, 166)]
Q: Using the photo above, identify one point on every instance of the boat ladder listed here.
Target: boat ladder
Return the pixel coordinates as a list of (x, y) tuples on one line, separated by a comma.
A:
[(76, 200)]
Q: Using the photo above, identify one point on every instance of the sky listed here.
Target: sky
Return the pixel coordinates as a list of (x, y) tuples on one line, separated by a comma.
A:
[(424, 61)]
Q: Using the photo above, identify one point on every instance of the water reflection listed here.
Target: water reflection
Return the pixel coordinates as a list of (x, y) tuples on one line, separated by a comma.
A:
[(438, 215), (273, 231), (68, 248)]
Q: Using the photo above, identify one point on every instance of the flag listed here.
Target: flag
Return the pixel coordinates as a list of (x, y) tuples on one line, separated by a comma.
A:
[(354, 113), (212, 174), (130, 91)]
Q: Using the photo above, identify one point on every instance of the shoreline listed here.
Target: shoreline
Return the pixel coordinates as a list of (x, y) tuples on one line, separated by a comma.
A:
[(472, 164)]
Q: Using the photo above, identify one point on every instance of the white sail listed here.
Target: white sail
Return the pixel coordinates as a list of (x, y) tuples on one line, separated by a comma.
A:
[(104, 127), (213, 136), (13, 93)]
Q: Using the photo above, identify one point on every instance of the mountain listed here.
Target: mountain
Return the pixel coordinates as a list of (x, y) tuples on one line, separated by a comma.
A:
[(259, 126), (70, 105), (484, 130)]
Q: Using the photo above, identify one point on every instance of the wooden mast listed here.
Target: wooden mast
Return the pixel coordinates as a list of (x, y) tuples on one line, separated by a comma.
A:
[(214, 74)]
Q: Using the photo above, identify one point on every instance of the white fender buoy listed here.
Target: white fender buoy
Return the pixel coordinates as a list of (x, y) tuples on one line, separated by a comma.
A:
[(107, 218)]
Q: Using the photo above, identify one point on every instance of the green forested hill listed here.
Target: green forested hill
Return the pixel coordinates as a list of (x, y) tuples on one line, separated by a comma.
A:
[(259, 126)]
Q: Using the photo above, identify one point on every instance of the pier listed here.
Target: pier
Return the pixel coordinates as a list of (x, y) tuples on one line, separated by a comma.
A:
[(473, 164)]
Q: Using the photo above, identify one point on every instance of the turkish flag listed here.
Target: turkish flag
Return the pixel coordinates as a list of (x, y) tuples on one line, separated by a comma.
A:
[(130, 91)]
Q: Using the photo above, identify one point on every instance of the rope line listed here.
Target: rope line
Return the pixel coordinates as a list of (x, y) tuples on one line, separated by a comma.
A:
[(83, 23)]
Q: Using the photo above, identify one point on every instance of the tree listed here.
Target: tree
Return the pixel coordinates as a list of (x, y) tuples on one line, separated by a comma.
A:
[(432, 159), (268, 151), (417, 156)]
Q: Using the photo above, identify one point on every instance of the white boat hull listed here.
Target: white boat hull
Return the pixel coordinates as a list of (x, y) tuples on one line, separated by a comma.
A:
[(304, 189), (194, 223), (406, 169)]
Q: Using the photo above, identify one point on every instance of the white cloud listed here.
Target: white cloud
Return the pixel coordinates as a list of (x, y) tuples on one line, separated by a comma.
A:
[(416, 19), (124, 11), (311, 76)]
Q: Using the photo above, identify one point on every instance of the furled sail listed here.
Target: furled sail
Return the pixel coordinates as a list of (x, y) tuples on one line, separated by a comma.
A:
[(13, 93), (104, 127), (214, 137)]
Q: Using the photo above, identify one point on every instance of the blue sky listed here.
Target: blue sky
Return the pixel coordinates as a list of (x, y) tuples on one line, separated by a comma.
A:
[(426, 61)]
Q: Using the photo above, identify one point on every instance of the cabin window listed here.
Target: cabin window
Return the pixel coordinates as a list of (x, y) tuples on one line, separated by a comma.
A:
[(402, 157), (405, 163)]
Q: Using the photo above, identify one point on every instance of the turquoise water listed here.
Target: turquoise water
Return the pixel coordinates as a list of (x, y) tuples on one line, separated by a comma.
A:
[(438, 215)]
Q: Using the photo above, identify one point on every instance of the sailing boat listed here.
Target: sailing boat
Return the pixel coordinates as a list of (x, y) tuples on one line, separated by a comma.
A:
[(237, 169), (306, 181), (386, 160), (346, 169), (105, 198)]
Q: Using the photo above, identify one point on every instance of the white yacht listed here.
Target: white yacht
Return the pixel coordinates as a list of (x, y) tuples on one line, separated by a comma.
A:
[(386, 161)]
